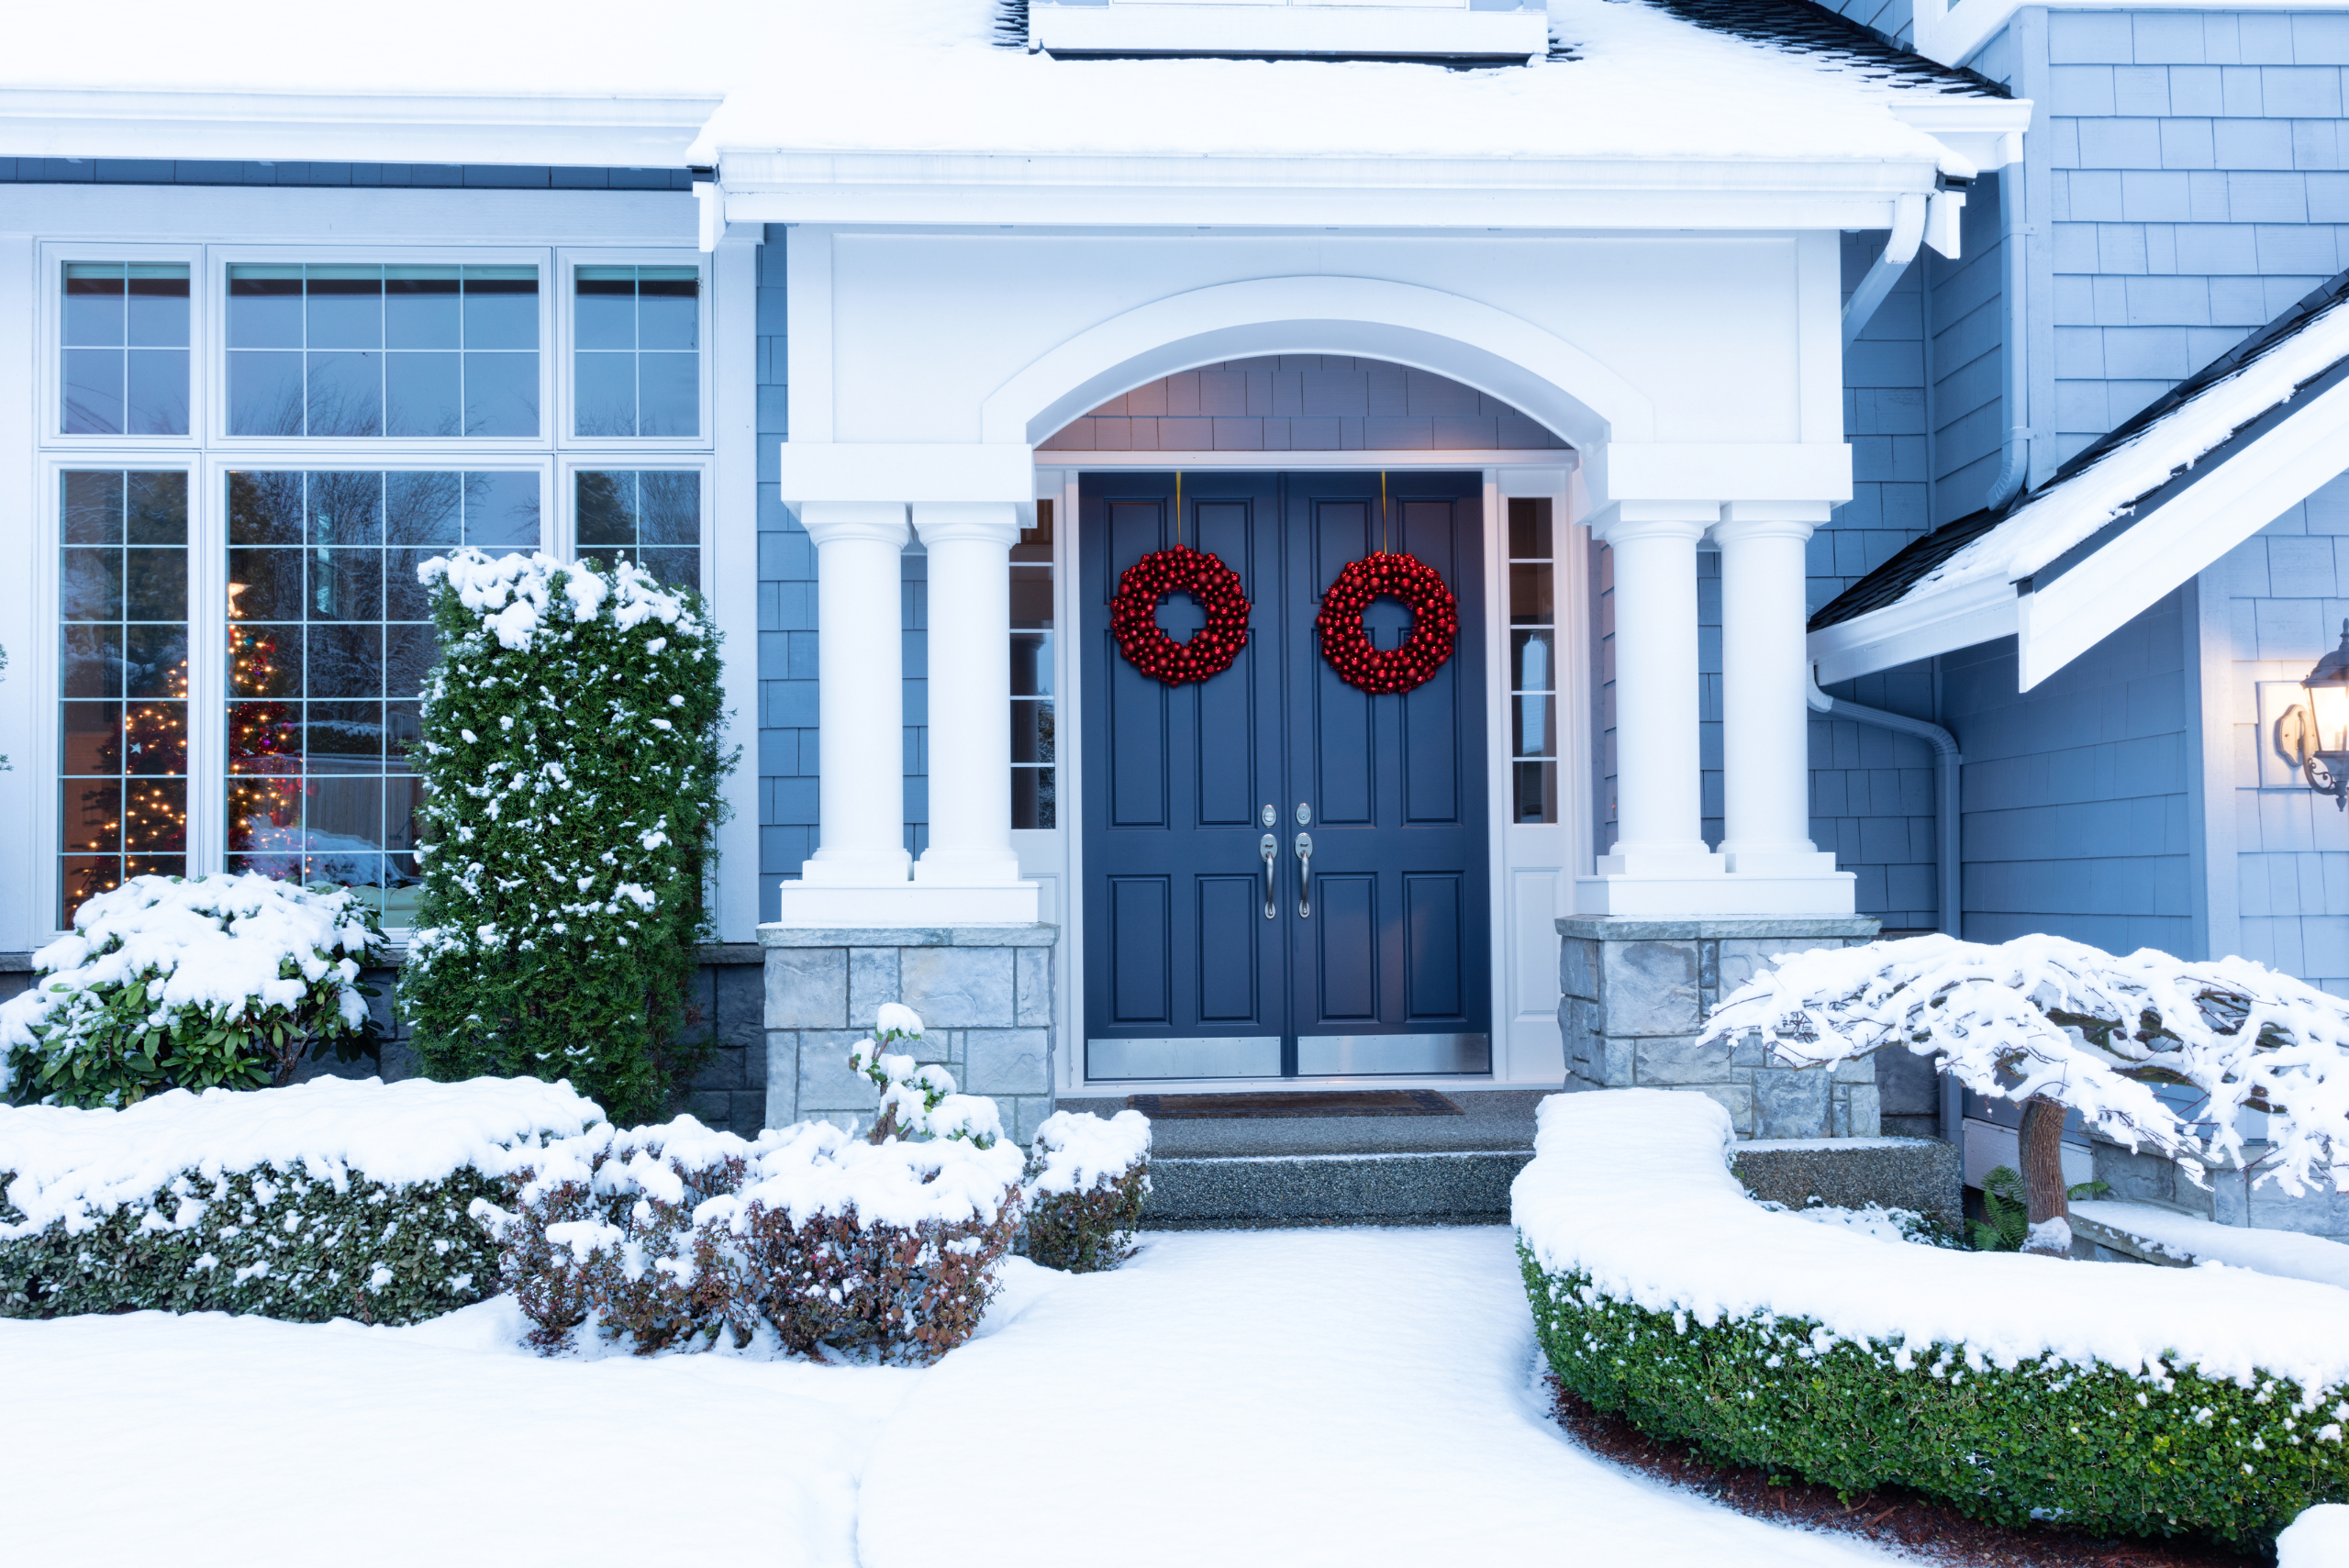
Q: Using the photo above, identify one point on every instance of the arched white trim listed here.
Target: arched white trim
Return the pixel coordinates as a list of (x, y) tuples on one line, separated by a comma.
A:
[(1536, 372)]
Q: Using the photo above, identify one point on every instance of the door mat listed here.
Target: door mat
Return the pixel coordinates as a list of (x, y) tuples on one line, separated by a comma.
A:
[(1330, 1102)]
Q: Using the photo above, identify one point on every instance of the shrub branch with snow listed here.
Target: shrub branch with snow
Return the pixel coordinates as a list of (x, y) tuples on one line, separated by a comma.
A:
[(1086, 1180), (164, 983), (571, 756)]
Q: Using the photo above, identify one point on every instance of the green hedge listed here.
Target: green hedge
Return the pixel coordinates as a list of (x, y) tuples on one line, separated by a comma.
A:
[(2110, 1452), (280, 1244)]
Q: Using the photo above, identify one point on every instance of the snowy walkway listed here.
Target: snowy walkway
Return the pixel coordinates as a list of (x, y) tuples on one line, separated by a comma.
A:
[(1356, 1397)]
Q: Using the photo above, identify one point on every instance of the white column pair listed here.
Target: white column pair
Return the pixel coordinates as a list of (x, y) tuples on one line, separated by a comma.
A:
[(859, 670), (1766, 759)]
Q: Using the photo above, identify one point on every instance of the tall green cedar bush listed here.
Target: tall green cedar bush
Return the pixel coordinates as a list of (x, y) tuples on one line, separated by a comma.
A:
[(572, 761), (2107, 1450)]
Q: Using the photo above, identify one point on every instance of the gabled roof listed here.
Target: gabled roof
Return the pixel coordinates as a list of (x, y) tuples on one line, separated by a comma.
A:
[(2126, 519)]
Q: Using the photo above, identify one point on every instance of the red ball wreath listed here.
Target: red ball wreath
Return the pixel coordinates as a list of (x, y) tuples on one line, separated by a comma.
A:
[(1435, 622), (1133, 616)]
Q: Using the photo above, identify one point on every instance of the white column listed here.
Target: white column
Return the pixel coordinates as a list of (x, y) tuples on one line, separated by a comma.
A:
[(1765, 718), (860, 653), (970, 692), (1658, 785)]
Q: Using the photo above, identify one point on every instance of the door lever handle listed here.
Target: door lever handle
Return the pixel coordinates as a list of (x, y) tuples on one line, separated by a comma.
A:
[(1270, 848), (1305, 876)]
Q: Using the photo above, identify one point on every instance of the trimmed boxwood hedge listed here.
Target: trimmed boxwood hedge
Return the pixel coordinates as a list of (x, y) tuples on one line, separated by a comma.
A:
[(278, 1242), (2110, 1452)]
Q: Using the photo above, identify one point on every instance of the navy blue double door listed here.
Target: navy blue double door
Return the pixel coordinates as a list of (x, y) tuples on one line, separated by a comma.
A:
[(1283, 876)]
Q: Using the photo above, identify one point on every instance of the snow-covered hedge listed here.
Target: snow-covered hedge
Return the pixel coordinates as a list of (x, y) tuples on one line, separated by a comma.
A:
[(331, 1198), (165, 983), (1086, 1181), (571, 747), (677, 1235), (2125, 1399)]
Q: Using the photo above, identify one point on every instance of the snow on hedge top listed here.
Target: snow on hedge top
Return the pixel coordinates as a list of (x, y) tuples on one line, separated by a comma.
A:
[(78, 1166), (517, 594), (2040, 1015), (217, 942), (2318, 1539), (1632, 1187), (926, 76), (2196, 1239), (1076, 1151)]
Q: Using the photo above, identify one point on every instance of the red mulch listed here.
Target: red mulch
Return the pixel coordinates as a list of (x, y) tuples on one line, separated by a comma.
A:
[(1902, 1520)]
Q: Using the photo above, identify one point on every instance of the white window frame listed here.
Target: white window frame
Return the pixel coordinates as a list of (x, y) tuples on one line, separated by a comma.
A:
[(48, 402), (567, 260), (220, 258)]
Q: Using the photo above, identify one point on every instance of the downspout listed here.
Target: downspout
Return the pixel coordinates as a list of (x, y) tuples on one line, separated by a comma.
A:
[(1908, 233), (2014, 463)]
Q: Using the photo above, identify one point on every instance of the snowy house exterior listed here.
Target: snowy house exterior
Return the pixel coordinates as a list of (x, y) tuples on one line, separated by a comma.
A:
[(1668, 336)]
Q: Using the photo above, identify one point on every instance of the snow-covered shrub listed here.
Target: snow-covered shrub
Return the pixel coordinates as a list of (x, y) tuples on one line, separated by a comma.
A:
[(571, 752), (2125, 1400), (677, 1235), (330, 1199), (164, 983), (1086, 1181), (2058, 1026)]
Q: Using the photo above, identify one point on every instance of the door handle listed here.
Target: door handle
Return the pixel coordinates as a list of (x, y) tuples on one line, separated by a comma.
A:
[(1270, 848), (1305, 876)]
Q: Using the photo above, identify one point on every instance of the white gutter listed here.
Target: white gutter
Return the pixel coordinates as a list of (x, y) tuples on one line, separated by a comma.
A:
[(1908, 233), (2014, 462)]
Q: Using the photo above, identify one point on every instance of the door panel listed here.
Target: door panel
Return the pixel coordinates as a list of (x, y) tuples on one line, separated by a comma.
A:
[(1185, 975)]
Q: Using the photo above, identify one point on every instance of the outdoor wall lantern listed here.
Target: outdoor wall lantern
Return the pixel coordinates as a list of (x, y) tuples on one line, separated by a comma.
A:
[(2300, 733)]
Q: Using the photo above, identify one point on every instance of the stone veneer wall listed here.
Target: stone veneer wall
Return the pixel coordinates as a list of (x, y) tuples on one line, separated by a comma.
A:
[(1634, 994), (985, 994)]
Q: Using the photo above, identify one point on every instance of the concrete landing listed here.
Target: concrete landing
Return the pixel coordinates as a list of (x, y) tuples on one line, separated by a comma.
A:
[(1257, 1171)]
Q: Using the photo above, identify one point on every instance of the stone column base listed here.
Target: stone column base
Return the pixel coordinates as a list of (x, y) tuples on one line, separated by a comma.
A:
[(985, 994), (1634, 992)]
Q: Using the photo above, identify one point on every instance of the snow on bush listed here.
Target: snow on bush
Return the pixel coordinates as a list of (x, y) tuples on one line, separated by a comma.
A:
[(222, 981), (678, 1236), (571, 752), (1087, 1176), (2128, 1399), (2318, 1539), (2043, 1018), (330, 1199)]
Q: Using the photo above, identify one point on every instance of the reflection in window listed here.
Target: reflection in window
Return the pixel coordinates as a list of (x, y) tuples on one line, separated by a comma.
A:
[(124, 339), (329, 638), (1034, 797), (637, 368), (1532, 662), (122, 667), (382, 350), (651, 517)]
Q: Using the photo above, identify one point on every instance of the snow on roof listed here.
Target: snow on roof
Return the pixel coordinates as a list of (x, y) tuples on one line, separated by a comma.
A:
[(2115, 477), (1643, 81)]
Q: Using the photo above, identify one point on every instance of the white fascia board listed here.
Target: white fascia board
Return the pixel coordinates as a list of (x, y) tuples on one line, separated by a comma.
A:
[(1986, 132), (766, 185), (1720, 472), (2068, 616), (1913, 629), (1136, 27), (592, 131), (906, 470)]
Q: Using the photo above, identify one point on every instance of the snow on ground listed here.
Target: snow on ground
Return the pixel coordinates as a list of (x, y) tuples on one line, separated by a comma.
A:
[(1363, 1397), (2286, 1252)]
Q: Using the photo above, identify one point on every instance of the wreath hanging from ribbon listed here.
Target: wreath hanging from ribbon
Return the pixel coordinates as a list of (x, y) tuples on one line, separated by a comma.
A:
[(1133, 616), (1435, 622)]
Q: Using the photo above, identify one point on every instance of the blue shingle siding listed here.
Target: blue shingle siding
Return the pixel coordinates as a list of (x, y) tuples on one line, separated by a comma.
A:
[(787, 754), (1872, 800), (2078, 794), (1966, 307), (1893, 18)]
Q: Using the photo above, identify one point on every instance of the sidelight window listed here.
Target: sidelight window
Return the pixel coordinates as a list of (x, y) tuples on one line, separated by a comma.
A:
[(637, 360), (1532, 662), (1034, 773)]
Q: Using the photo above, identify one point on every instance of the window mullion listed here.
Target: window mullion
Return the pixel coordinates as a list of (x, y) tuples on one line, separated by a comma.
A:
[(207, 664)]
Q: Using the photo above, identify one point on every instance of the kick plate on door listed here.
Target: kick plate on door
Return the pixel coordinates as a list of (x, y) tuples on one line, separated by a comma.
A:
[(1332, 1055), (1246, 1056)]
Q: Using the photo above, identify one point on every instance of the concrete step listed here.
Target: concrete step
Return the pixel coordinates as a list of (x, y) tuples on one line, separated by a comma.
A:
[(1240, 1191)]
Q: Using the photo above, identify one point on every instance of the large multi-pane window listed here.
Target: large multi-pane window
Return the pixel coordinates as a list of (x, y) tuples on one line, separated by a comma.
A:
[(371, 349), (240, 515), (122, 679), (1532, 662), (636, 336), (329, 637), (123, 336), (651, 516), (1034, 773)]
